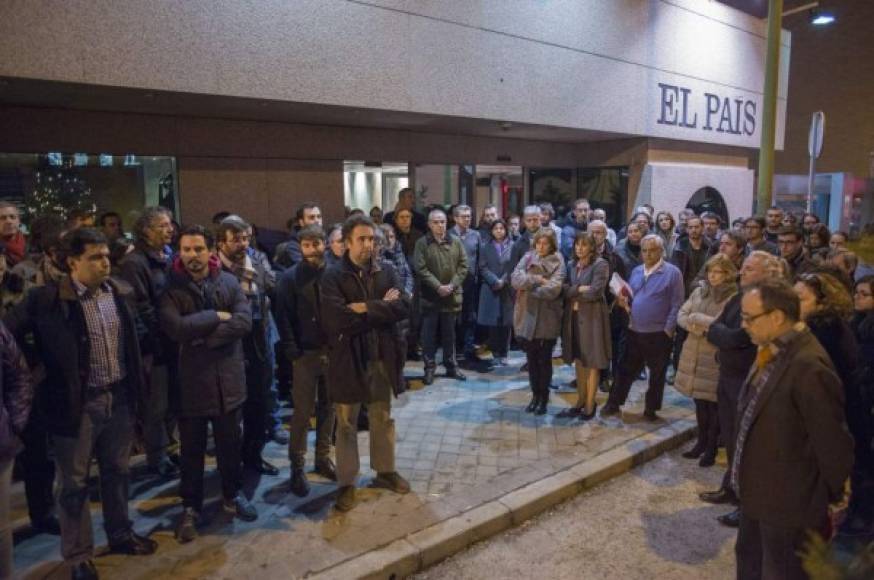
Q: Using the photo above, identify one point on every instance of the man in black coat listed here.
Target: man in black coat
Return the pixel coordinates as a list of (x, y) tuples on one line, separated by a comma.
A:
[(305, 345), (736, 355), (793, 451), (87, 335), (146, 268), (288, 253), (363, 301), (257, 281), (205, 311)]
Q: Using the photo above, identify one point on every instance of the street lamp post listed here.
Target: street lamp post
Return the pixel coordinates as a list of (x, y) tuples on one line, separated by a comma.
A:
[(769, 113)]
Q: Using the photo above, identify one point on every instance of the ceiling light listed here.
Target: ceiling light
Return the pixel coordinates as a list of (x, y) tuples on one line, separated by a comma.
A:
[(818, 18)]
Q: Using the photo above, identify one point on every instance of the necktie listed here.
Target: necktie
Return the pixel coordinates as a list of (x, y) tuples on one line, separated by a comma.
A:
[(763, 357)]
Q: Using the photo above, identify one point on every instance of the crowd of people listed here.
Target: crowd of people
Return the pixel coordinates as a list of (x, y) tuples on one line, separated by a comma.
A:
[(113, 341)]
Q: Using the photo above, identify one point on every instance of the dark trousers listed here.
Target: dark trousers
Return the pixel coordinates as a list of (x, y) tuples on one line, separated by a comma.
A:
[(434, 322), (37, 468), (499, 340), (155, 436), (707, 416), (310, 394), (650, 349), (679, 339), (193, 433), (538, 353), (727, 393), (466, 321), (766, 552), (256, 409), (618, 333), (105, 432)]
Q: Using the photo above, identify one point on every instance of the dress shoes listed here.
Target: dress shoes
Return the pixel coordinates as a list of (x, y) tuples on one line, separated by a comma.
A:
[(694, 453), (589, 416), (611, 410), (707, 460), (391, 481), (346, 499), (428, 379), (84, 571), (135, 545), (718, 497), (532, 405), (240, 507), (326, 468), (186, 529), (298, 484), (650, 416), (569, 412), (259, 465), (732, 519), (456, 374)]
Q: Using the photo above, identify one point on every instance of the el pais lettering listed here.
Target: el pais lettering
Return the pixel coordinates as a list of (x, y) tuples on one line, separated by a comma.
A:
[(680, 107)]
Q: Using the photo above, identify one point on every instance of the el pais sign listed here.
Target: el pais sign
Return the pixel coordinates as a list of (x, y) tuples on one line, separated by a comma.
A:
[(682, 107)]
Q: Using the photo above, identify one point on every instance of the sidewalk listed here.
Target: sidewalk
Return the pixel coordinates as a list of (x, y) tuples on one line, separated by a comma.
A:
[(476, 461)]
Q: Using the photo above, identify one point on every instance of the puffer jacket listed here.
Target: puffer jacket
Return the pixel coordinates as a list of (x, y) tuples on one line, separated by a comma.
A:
[(16, 395), (698, 371), (211, 365), (539, 307)]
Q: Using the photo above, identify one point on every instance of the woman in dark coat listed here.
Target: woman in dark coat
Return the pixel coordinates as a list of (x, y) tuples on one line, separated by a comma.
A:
[(496, 294), (585, 338), (860, 519)]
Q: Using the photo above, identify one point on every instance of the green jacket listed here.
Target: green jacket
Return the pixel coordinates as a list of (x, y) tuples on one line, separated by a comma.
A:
[(438, 263)]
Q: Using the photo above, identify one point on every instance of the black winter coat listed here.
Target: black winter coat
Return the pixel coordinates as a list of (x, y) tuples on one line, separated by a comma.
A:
[(288, 253), (16, 395), (212, 375), (736, 352), (357, 340), (298, 315), (147, 273), (53, 315)]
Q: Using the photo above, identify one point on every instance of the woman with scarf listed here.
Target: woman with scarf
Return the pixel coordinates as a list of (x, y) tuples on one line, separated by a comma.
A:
[(495, 294), (698, 371), (537, 314), (585, 340)]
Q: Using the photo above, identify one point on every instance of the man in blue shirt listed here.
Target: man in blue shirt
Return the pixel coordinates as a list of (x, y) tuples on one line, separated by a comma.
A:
[(657, 294)]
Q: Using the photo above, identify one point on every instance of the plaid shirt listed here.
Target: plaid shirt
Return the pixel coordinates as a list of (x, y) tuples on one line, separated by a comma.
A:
[(105, 335), (749, 400)]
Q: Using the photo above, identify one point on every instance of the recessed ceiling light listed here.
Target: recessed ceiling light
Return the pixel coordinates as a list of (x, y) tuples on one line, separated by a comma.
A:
[(818, 18)]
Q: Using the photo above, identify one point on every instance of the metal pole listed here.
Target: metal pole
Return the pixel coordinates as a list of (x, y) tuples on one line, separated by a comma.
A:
[(769, 114), (811, 176)]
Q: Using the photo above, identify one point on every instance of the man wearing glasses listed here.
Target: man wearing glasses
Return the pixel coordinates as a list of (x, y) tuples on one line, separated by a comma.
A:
[(793, 451), (754, 230)]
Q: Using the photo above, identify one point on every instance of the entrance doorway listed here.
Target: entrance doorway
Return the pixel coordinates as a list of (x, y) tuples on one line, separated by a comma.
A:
[(709, 199)]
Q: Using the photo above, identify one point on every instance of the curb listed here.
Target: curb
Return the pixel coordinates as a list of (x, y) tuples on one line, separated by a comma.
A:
[(424, 548)]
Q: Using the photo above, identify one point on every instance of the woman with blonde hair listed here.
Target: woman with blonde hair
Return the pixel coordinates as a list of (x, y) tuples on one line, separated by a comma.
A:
[(585, 339), (698, 370), (537, 280)]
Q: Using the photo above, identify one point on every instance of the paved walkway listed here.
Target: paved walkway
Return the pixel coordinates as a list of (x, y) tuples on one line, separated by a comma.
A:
[(461, 445)]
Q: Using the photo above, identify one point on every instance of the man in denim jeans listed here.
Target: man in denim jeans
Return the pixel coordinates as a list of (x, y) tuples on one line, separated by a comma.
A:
[(84, 327)]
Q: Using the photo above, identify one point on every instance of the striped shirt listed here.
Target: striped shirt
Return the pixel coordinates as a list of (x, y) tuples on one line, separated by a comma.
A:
[(105, 335)]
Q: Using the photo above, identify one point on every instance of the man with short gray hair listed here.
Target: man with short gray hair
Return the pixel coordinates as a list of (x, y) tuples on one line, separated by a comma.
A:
[(531, 223), (657, 294), (471, 240), (441, 264)]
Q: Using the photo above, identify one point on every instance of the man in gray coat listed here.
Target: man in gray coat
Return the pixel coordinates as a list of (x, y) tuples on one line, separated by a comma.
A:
[(441, 265), (471, 240)]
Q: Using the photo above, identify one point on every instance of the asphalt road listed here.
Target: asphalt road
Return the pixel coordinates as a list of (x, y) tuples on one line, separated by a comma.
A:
[(647, 523)]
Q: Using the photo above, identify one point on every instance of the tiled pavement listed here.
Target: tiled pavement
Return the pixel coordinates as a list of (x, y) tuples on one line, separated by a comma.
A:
[(459, 443)]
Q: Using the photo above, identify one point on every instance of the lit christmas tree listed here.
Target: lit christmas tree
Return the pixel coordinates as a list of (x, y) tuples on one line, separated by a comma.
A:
[(58, 190)]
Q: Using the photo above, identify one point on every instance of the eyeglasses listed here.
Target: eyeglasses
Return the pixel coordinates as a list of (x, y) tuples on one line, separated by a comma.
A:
[(862, 293), (750, 318)]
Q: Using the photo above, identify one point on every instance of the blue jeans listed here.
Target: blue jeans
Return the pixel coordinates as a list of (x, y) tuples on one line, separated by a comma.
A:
[(105, 430)]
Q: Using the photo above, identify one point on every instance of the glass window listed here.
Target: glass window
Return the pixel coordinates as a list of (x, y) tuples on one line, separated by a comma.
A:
[(59, 183), (606, 188)]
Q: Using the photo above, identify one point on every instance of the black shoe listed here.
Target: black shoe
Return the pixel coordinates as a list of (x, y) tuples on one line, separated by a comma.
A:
[(535, 399), (694, 453), (589, 416), (279, 436), (325, 467), (240, 507), (610, 410), (732, 519), (456, 374), (541, 405), (428, 379), (523, 368), (298, 484), (707, 460), (259, 465), (186, 529), (345, 498), (604, 386), (84, 571), (47, 525), (718, 497), (175, 459), (650, 416), (569, 412), (165, 469), (135, 545)]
